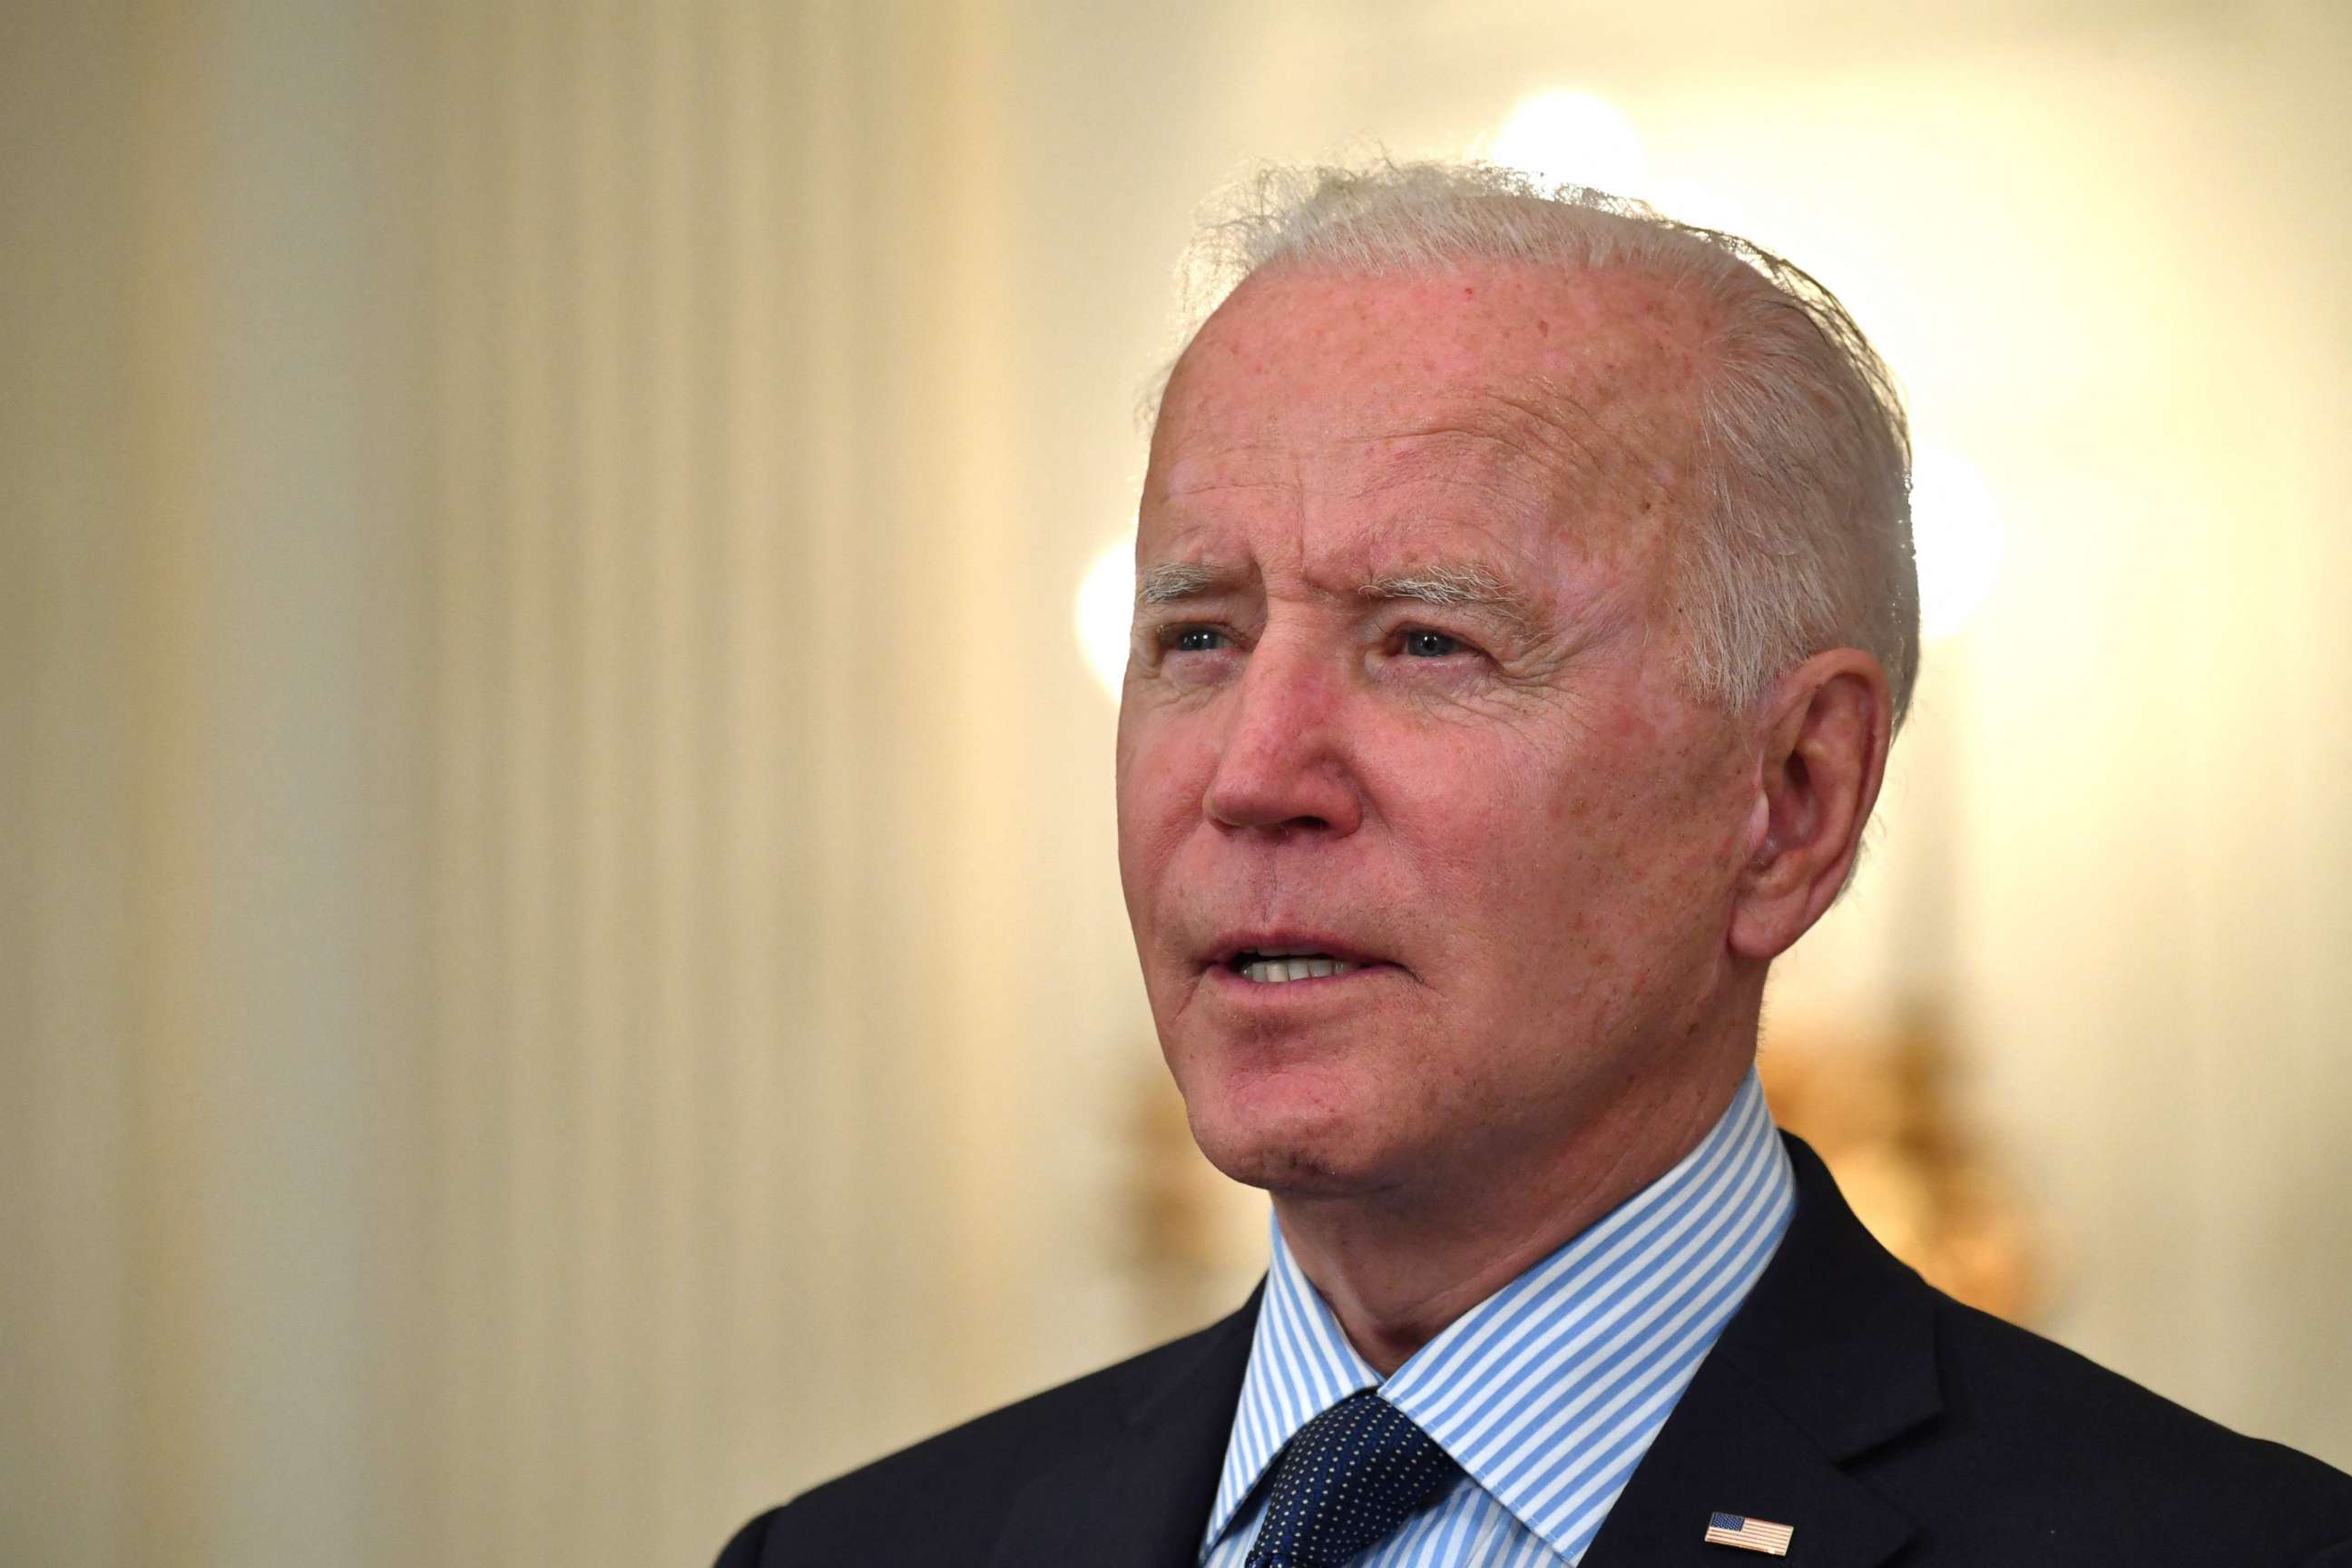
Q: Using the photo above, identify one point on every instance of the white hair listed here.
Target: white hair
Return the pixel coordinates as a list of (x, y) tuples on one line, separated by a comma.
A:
[(1803, 541)]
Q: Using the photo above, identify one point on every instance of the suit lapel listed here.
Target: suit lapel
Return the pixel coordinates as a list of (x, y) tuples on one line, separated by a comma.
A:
[(1139, 1497), (1726, 1450), (1831, 1354)]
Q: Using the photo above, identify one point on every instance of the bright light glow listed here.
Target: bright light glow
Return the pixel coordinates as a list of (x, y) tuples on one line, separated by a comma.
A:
[(1705, 206), (1573, 138), (1956, 534), (1104, 612)]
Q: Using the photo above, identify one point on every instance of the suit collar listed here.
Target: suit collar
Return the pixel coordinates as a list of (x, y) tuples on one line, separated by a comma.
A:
[(1839, 1334), (1832, 1356)]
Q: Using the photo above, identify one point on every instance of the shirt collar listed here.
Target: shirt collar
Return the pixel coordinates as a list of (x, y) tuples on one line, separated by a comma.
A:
[(1548, 1392)]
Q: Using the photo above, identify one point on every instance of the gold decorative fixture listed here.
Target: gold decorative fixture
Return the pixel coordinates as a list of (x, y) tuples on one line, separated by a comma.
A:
[(1883, 1116)]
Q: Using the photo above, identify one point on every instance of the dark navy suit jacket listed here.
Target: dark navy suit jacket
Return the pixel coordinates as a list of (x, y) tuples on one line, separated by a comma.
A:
[(1886, 1422)]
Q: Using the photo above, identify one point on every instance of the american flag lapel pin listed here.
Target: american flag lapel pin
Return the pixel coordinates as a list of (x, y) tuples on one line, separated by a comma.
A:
[(1749, 1534)]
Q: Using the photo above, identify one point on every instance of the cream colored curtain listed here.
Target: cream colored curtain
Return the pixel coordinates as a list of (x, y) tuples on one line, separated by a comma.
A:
[(523, 645), (561, 973)]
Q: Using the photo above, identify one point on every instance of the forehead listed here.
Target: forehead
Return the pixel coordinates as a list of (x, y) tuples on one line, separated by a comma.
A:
[(1523, 396)]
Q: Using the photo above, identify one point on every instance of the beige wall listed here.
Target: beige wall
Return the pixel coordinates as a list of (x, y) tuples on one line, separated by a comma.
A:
[(560, 971)]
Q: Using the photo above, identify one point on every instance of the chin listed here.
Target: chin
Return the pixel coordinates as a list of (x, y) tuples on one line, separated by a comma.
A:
[(1302, 1149), (1282, 1168)]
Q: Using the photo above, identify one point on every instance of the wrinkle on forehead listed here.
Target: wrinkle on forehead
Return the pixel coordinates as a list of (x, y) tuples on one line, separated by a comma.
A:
[(1611, 327), (1543, 438), (1535, 454)]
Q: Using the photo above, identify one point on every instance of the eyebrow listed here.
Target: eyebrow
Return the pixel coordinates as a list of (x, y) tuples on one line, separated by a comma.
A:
[(1454, 584), (1176, 580)]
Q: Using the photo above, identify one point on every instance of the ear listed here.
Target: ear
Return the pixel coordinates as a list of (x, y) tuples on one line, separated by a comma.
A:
[(1822, 748)]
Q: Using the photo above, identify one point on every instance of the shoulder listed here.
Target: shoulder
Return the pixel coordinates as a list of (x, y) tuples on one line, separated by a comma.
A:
[(965, 1478), (2050, 1437), (1995, 1444), (944, 1501)]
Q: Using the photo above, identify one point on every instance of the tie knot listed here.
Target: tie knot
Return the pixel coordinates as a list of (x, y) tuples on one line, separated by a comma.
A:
[(1347, 1478)]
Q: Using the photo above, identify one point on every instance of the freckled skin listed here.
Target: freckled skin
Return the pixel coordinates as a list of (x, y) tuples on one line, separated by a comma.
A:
[(1532, 823)]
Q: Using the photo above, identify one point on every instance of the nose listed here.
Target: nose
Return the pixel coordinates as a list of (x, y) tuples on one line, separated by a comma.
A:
[(1282, 764)]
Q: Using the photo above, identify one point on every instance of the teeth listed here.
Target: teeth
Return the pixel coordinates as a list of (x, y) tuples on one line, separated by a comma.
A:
[(1274, 971)]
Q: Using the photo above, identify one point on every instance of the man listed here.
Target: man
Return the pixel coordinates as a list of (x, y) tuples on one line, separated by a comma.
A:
[(1525, 607)]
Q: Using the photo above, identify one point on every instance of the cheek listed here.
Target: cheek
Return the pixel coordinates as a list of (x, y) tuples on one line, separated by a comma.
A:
[(1491, 839), (1161, 776), (1658, 851), (1608, 859)]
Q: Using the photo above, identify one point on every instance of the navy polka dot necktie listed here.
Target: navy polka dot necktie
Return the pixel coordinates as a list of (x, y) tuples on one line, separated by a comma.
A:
[(1350, 1477)]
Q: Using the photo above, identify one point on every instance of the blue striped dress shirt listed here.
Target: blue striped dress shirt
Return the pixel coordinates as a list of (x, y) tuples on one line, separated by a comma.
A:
[(1548, 1393)]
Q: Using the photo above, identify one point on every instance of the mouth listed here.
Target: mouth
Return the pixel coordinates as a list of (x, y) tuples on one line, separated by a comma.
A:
[(1265, 961)]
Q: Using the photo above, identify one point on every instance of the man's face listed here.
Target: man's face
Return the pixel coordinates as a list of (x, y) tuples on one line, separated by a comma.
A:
[(1406, 697)]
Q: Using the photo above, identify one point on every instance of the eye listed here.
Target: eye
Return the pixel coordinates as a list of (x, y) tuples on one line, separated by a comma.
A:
[(1194, 639), (1430, 645)]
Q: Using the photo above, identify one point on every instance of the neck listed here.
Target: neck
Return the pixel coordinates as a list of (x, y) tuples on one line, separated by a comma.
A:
[(1397, 1266)]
